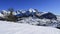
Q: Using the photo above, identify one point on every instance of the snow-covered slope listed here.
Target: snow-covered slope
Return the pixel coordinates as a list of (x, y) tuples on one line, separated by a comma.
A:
[(40, 22), (17, 28)]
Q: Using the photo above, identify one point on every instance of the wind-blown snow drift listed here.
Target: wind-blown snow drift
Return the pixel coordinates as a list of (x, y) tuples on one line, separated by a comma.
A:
[(18, 28)]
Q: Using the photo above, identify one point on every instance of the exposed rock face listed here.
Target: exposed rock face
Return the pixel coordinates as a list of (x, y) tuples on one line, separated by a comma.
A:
[(47, 16)]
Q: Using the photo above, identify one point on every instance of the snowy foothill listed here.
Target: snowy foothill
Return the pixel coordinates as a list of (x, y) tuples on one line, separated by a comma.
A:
[(19, 28)]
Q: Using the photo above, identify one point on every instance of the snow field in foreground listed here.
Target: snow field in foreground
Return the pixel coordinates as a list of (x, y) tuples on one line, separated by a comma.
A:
[(18, 28)]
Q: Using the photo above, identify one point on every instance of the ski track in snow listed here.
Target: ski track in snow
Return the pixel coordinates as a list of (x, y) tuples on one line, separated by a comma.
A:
[(18, 28)]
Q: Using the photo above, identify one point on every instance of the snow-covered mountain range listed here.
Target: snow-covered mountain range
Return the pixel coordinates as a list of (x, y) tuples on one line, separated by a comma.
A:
[(30, 12), (34, 17)]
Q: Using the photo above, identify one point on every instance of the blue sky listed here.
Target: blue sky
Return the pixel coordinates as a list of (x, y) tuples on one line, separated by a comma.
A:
[(42, 5)]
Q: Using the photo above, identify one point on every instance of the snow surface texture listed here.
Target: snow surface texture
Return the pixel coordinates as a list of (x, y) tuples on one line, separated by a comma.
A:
[(40, 22), (18, 28)]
